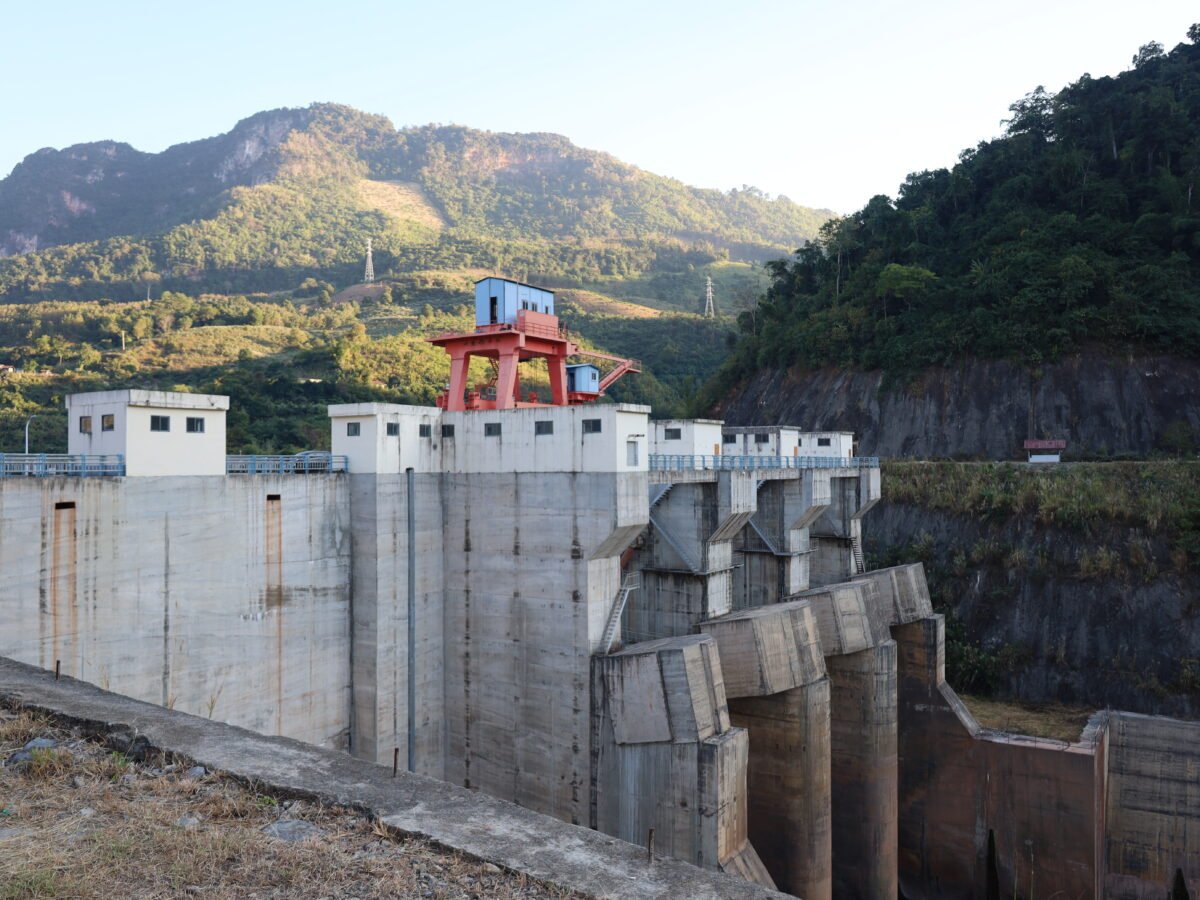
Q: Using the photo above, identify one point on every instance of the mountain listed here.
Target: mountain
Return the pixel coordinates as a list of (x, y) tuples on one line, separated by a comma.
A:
[(296, 193), (1046, 285)]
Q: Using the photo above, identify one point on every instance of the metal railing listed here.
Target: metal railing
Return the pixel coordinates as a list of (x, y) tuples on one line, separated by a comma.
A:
[(49, 465), (671, 463), (310, 462)]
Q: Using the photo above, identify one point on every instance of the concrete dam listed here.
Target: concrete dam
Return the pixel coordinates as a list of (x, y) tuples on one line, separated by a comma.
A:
[(642, 627)]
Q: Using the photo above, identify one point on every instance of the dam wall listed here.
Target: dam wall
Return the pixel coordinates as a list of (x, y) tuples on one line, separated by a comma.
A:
[(221, 596)]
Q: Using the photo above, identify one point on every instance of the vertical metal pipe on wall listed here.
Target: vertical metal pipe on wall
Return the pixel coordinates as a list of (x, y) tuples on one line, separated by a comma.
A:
[(412, 622)]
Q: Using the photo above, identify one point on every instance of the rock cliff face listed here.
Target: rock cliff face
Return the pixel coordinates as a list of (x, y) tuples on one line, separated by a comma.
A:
[(1044, 628), (985, 408), (96, 190)]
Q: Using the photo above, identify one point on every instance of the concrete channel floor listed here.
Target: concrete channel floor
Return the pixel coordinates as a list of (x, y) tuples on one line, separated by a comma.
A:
[(566, 856)]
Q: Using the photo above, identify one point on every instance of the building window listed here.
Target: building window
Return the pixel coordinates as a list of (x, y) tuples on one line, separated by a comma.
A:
[(160, 423), (762, 437), (195, 425), (823, 442), (631, 453), (491, 429), (799, 442), (591, 426), (85, 424), (729, 439), (447, 431), (353, 429), (107, 423), (272, 498), (543, 427), (393, 429), (425, 431), (673, 434)]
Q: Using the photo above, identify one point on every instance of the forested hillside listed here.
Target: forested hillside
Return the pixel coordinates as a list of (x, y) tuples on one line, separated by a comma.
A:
[(1078, 229), (292, 194)]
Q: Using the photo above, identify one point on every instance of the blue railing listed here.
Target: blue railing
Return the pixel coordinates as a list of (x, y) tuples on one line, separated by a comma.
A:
[(670, 463), (312, 461), (49, 465)]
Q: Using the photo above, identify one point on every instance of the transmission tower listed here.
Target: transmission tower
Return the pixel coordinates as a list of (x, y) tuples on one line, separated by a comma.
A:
[(710, 311), (369, 270)]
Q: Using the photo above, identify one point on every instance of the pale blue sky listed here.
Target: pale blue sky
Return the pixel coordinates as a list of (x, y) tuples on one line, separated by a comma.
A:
[(826, 102)]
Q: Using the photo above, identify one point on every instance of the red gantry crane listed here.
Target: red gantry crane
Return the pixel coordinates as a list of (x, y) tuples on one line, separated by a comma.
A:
[(515, 323)]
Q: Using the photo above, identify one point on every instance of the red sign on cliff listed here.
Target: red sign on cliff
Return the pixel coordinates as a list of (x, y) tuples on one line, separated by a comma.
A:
[(1034, 444)]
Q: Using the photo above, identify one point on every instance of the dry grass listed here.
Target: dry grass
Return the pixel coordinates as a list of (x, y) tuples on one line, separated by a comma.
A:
[(82, 822), (401, 199), (591, 302), (1050, 720)]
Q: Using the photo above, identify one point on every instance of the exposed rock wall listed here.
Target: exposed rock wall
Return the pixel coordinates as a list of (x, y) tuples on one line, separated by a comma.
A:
[(1047, 630), (985, 408)]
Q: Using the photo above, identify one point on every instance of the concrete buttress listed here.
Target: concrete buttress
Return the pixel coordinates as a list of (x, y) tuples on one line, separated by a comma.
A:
[(778, 691)]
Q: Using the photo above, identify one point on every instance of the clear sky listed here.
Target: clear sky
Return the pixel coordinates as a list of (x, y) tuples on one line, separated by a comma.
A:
[(826, 102)]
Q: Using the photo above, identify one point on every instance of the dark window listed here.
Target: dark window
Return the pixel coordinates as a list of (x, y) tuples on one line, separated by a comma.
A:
[(272, 498), (673, 434), (729, 439), (799, 442), (491, 429), (823, 442), (494, 311), (195, 425), (393, 429), (447, 431), (85, 424), (591, 426), (425, 431), (160, 423), (65, 504), (353, 429), (543, 427), (762, 438), (107, 423)]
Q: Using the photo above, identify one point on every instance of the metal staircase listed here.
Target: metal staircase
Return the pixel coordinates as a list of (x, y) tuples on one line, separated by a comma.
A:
[(630, 583), (857, 566), (658, 491)]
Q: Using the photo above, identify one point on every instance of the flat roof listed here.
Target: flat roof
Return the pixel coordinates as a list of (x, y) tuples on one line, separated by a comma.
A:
[(152, 399), (746, 429), (513, 281), (689, 421), (339, 410)]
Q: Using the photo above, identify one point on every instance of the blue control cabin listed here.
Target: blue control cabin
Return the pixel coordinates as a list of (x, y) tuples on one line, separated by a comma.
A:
[(583, 379), (497, 300)]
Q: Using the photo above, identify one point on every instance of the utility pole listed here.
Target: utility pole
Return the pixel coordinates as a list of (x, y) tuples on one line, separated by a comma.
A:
[(710, 311), (27, 421), (369, 270)]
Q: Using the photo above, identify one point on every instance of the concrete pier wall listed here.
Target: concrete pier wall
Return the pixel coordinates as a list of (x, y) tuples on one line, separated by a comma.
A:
[(226, 597), (667, 759), (778, 691), (532, 568), (1152, 811)]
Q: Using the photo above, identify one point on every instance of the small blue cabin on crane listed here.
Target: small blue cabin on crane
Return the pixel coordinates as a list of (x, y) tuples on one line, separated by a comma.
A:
[(497, 300), (583, 378)]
